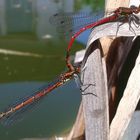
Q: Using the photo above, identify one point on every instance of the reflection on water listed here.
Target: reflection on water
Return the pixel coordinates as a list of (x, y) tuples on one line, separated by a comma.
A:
[(31, 53)]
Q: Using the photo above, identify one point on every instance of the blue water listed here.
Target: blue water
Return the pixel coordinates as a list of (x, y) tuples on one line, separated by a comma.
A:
[(51, 117)]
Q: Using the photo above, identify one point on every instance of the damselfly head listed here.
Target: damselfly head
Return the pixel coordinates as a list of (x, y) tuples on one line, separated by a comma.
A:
[(133, 6)]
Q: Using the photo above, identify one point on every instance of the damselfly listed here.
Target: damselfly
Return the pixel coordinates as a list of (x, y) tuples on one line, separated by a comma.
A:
[(78, 23), (8, 116)]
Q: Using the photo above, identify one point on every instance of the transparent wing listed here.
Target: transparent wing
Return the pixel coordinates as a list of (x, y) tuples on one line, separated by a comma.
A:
[(70, 23)]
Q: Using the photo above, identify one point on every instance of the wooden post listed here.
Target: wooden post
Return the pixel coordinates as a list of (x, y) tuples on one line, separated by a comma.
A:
[(113, 4), (77, 131), (127, 104), (95, 96)]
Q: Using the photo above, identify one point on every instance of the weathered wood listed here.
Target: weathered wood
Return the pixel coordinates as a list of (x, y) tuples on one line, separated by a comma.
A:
[(105, 43), (95, 96), (110, 4), (127, 104), (113, 4), (77, 131)]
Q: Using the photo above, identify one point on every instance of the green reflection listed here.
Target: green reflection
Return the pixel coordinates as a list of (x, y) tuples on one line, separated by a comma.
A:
[(24, 25), (45, 59), (95, 4)]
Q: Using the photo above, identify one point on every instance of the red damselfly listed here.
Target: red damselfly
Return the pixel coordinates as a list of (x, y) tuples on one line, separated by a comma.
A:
[(68, 21), (8, 116)]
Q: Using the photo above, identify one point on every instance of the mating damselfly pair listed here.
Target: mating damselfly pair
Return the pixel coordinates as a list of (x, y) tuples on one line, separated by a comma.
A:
[(84, 22)]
